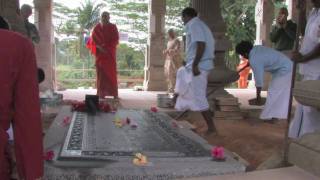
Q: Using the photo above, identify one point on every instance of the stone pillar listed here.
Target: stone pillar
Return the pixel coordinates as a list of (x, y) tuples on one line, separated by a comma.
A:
[(293, 14), (9, 9), (264, 19), (154, 79), (209, 11), (43, 20)]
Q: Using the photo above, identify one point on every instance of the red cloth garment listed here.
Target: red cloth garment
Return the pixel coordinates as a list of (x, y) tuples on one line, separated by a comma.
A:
[(107, 37), (20, 105)]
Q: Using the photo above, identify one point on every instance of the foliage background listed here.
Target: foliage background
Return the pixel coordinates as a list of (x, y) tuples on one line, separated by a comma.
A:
[(75, 66)]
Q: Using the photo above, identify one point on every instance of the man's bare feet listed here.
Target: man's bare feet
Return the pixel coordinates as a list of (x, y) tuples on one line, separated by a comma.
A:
[(271, 121), (175, 97), (211, 132)]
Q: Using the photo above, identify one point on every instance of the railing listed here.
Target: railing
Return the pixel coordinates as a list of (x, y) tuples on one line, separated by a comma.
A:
[(89, 76)]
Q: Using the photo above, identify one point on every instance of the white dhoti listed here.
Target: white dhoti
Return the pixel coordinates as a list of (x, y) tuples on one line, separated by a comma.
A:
[(10, 133), (306, 119), (192, 90), (277, 98)]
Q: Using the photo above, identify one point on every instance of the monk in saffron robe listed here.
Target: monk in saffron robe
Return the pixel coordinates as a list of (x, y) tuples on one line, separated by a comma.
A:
[(20, 106), (244, 74), (103, 44)]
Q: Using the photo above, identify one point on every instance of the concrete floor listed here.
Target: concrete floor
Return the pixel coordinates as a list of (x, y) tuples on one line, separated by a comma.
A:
[(130, 98), (251, 139)]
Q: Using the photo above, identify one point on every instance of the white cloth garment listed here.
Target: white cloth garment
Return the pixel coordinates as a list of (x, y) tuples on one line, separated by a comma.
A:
[(306, 119), (311, 39), (10, 133), (198, 31), (277, 98), (192, 90)]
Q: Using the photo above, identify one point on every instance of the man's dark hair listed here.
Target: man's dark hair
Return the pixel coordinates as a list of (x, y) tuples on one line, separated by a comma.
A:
[(190, 12), (244, 47), (41, 75), (285, 10), (3, 23)]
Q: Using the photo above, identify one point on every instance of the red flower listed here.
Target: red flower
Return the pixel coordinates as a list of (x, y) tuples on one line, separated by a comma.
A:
[(49, 155), (104, 107), (153, 109), (217, 153), (66, 121), (79, 106)]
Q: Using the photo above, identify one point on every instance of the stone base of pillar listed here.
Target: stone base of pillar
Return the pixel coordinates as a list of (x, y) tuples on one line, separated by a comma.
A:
[(155, 86), (224, 105)]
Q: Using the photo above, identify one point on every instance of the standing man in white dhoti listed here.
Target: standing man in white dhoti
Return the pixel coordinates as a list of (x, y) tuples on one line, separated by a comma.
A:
[(307, 119), (263, 59), (192, 79)]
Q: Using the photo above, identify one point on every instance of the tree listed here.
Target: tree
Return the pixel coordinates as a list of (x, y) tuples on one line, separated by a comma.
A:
[(131, 18), (239, 18), (88, 15), (173, 14)]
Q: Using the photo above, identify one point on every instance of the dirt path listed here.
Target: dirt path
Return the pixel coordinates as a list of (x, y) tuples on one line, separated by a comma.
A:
[(252, 139)]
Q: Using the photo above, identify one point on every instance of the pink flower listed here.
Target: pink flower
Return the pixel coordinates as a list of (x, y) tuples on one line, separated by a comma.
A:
[(133, 125), (153, 109), (66, 121), (175, 125), (49, 155), (217, 153)]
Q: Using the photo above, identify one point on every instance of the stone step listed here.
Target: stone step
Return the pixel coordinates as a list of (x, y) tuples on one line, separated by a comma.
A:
[(305, 153), (289, 173)]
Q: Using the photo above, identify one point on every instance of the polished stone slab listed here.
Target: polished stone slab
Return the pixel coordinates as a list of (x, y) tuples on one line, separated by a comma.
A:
[(103, 151), (97, 137)]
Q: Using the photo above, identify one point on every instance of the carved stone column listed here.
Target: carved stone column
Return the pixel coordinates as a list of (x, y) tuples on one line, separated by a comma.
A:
[(9, 9), (209, 11), (43, 20), (294, 13), (292, 4), (154, 75), (264, 18)]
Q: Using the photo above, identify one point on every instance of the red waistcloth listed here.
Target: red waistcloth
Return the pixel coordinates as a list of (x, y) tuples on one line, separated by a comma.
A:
[(20, 105), (107, 37)]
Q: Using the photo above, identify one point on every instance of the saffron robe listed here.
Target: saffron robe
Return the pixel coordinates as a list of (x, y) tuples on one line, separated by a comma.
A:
[(244, 74), (106, 36), (20, 106)]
